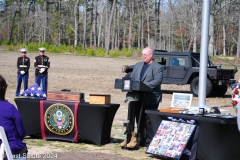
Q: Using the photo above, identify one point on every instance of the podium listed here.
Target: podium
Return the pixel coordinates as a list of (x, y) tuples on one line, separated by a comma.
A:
[(126, 84)]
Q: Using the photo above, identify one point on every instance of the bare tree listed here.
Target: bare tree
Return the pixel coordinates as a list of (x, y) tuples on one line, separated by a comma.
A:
[(171, 24), (16, 11), (108, 26), (95, 13), (238, 44), (117, 37), (130, 8), (100, 30), (85, 24), (76, 13)]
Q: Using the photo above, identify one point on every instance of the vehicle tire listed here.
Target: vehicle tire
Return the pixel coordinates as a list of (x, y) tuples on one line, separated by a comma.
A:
[(219, 91), (195, 84)]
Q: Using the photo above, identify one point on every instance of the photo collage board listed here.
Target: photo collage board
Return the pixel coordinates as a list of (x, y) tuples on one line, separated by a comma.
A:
[(170, 139)]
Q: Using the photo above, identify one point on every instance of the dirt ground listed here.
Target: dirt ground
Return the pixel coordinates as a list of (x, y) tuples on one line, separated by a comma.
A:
[(94, 75)]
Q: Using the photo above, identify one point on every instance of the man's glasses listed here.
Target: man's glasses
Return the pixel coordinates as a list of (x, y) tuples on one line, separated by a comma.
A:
[(24, 52)]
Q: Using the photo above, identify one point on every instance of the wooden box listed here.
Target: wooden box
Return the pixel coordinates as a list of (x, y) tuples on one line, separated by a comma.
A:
[(172, 110), (99, 99), (66, 96)]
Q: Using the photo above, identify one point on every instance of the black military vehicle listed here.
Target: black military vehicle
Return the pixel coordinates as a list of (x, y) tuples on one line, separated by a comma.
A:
[(183, 68)]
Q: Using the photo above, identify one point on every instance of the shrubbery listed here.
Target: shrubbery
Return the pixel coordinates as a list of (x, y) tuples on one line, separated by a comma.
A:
[(115, 53), (89, 52), (227, 59), (11, 47), (126, 52), (32, 46), (100, 52), (4, 42)]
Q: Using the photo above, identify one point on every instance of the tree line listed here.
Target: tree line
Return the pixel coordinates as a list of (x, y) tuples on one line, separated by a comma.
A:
[(117, 24)]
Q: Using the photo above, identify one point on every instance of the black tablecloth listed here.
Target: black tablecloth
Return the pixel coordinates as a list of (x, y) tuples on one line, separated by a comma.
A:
[(219, 139), (94, 121)]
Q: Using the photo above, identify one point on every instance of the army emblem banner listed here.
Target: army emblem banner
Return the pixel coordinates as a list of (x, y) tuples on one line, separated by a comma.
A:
[(59, 120)]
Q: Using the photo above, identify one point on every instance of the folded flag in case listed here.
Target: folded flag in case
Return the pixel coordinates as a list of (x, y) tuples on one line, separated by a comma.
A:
[(34, 91)]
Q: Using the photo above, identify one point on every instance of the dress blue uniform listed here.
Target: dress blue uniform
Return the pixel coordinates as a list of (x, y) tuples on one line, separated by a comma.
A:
[(42, 64), (23, 65)]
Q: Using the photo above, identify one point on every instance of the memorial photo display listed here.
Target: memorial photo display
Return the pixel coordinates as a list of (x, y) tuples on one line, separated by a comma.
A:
[(181, 100), (170, 139)]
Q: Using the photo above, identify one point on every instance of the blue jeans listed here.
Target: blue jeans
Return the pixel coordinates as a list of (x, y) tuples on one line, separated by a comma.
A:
[(21, 77)]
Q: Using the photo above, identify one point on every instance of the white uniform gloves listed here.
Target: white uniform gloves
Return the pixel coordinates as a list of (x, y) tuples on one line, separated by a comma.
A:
[(41, 70), (22, 72)]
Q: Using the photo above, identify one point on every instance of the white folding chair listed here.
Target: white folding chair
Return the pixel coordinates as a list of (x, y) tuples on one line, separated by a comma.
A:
[(4, 146)]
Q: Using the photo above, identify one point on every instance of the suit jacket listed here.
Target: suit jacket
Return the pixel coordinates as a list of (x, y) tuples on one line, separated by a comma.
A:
[(152, 78)]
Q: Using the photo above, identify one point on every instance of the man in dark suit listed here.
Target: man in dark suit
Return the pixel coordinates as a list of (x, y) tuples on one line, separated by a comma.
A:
[(150, 73)]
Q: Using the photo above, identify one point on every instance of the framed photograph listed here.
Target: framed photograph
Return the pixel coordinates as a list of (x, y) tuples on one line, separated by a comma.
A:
[(170, 139), (181, 100)]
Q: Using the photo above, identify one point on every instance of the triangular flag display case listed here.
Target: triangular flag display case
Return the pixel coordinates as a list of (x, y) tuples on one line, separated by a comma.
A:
[(34, 91)]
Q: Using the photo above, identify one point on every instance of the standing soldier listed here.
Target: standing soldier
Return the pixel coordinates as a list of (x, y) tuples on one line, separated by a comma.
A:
[(42, 64), (23, 65)]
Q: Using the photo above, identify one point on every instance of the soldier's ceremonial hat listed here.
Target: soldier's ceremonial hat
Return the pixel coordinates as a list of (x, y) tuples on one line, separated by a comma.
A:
[(41, 49), (23, 50)]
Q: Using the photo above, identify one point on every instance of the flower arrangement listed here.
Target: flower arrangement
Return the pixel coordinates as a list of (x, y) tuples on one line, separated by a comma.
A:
[(235, 94)]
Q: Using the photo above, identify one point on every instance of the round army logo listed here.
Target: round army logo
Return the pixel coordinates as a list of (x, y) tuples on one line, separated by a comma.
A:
[(59, 119)]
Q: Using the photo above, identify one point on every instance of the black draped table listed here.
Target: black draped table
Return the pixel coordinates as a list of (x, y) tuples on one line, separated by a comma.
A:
[(218, 139), (94, 120)]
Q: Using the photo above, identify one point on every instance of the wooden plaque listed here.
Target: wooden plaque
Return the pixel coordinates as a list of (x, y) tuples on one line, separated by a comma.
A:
[(99, 99), (66, 96), (171, 110)]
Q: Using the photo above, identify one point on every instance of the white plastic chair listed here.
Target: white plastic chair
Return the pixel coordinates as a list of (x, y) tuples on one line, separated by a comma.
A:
[(4, 146)]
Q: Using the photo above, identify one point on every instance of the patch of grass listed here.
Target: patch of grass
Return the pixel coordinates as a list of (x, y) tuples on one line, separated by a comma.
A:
[(40, 144), (116, 147), (78, 147), (117, 127)]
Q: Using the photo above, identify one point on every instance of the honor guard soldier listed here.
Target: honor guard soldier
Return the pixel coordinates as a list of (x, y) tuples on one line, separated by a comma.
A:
[(42, 64), (23, 65)]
